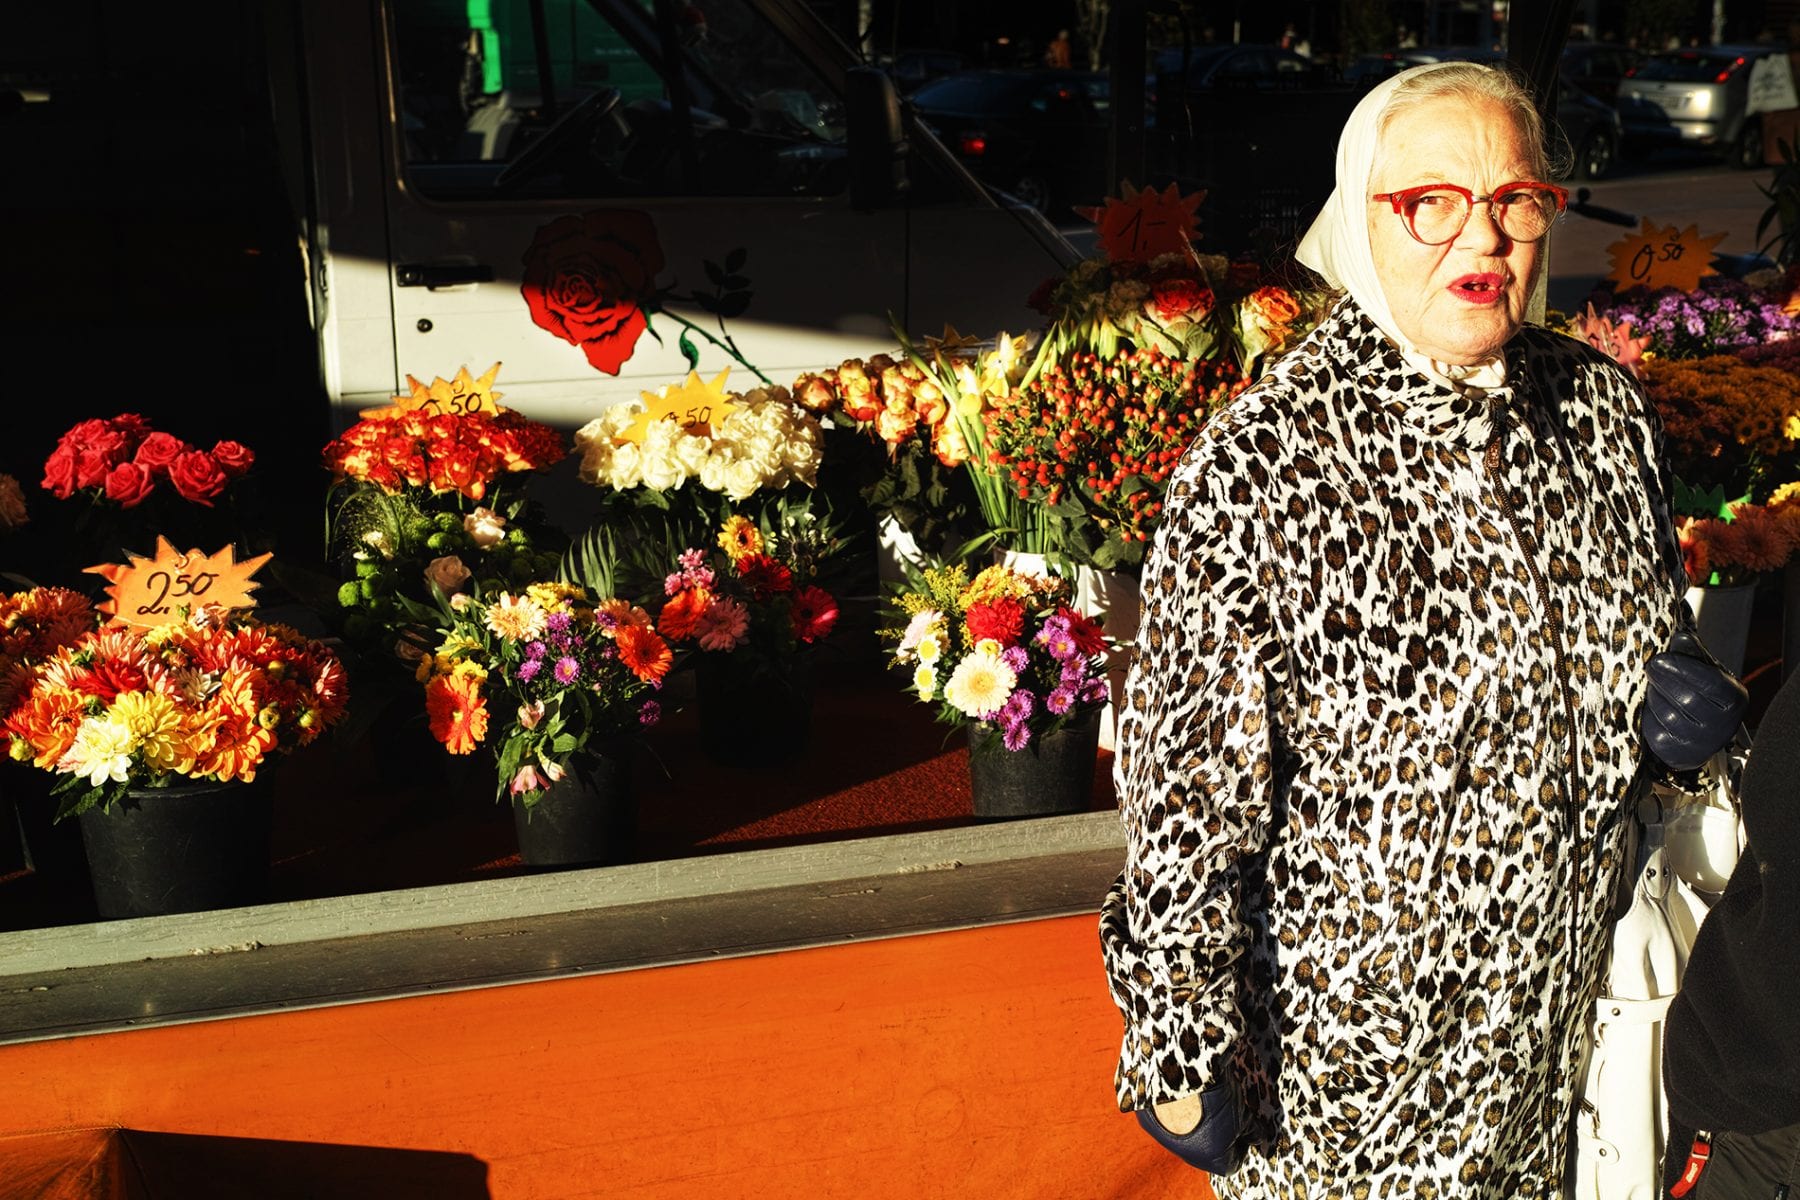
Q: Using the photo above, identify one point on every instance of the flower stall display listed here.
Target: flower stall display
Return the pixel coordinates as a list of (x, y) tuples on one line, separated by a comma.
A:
[(555, 680), (749, 603), (158, 737), (430, 492), (1007, 655)]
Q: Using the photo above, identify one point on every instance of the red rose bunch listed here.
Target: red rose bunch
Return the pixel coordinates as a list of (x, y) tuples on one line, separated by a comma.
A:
[(123, 460), (442, 452), (1096, 439)]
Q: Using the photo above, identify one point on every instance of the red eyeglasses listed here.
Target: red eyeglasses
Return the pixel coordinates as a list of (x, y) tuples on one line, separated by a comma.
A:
[(1435, 213)]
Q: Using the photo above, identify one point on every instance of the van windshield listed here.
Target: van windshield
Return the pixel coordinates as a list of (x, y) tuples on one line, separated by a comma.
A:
[(615, 98)]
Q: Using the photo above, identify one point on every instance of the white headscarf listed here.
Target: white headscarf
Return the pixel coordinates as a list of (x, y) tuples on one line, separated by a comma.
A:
[(1337, 245)]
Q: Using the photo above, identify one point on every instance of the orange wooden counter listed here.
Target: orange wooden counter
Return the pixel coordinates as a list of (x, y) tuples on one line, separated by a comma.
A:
[(974, 1063)]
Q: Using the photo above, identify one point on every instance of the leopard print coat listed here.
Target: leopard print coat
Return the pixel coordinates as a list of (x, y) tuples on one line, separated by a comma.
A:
[(1377, 739)]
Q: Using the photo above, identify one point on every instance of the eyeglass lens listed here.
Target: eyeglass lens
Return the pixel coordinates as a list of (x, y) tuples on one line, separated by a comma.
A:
[(1524, 214)]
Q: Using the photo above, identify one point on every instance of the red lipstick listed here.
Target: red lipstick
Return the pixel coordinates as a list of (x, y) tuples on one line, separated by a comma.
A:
[(1483, 288)]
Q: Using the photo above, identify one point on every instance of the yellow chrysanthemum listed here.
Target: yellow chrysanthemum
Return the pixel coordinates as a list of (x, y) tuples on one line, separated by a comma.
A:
[(925, 679), (516, 618), (160, 734), (556, 595), (740, 538)]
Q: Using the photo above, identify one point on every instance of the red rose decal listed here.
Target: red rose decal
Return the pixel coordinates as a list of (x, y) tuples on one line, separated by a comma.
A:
[(197, 477), (588, 278), (1176, 298), (128, 483), (157, 451), (234, 458)]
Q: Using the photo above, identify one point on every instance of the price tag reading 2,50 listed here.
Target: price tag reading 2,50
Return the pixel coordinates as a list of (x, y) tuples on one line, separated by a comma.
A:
[(162, 589)]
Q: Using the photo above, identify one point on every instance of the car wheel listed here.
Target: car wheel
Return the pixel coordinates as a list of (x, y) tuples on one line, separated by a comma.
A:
[(1033, 190), (1597, 156), (1747, 151)]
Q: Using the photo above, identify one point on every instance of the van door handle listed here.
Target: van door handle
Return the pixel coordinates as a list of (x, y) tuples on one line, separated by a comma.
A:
[(427, 275)]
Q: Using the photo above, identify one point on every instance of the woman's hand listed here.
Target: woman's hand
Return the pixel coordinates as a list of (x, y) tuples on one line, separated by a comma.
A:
[(1181, 1116)]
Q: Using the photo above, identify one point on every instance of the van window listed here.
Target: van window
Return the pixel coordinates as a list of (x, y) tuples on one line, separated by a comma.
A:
[(737, 112)]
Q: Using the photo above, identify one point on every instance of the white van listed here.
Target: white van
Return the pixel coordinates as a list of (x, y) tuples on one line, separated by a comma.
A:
[(558, 184)]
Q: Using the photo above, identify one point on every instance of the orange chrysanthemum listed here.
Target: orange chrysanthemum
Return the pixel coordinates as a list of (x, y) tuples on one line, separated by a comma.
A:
[(682, 612), (624, 613), (45, 723), (458, 713), (644, 653)]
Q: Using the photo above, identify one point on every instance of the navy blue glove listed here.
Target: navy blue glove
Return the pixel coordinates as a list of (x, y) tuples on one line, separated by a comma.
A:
[(1212, 1146), (1694, 706)]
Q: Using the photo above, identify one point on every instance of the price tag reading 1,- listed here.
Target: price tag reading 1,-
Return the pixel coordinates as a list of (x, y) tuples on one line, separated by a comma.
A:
[(162, 589)]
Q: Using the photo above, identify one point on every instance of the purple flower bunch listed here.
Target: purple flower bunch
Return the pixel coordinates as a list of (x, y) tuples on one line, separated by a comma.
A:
[(1723, 315)]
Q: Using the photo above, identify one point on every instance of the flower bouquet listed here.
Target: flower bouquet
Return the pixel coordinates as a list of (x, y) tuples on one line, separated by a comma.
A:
[(1148, 288), (1008, 656), (1731, 431), (673, 465), (138, 481), (212, 698), (1093, 441), (914, 483), (1721, 316), (430, 492), (750, 605), (545, 676)]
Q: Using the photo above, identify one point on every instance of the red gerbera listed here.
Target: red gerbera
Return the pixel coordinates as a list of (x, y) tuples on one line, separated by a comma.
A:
[(815, 612), (682, 612), (1001, 620), (1089, 637), (764, 576)]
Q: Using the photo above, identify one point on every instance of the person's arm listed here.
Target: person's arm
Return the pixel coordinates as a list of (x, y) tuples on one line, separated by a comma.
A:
[(1195, 770)]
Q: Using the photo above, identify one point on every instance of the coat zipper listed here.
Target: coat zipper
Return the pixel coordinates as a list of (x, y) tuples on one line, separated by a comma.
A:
[(1528, 548)]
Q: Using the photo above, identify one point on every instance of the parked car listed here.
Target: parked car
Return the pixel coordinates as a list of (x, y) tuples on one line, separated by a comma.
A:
[(1240, 65), (1040, 135), (1696, 97), (913, 69), (1588, 133), (1598, 68)]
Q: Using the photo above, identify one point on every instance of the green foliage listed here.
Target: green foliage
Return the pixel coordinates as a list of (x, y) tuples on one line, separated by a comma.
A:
[(1783, 213)]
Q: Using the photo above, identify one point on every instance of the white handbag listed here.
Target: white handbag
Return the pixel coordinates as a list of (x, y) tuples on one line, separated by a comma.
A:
[(1702, 828), (1622, 1118), (1691, 843)]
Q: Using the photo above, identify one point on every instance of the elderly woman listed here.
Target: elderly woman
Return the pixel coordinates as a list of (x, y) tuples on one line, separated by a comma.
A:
[(1381, 727)]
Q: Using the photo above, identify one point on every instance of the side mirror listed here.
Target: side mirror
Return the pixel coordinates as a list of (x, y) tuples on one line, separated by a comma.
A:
[(877, 138)]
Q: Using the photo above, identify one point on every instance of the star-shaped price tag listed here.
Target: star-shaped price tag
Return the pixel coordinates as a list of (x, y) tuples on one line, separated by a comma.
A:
[(1663, 257), (697, 405), (456, 397), (162, 589)]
